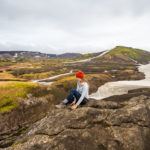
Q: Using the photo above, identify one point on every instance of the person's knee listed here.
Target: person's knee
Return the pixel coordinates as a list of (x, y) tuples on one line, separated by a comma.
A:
[(73, 90)]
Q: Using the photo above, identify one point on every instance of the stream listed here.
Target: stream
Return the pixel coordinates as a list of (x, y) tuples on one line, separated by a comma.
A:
[(122, 87), (48, 81)]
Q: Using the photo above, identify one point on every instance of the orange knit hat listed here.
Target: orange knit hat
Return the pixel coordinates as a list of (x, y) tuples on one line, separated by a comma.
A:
[(80, 74)]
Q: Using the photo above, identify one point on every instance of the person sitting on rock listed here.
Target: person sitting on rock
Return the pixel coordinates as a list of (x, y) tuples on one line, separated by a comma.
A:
[(78, 96)]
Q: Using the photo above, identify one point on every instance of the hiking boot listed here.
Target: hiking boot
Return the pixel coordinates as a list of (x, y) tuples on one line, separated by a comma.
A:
[(61, 105)]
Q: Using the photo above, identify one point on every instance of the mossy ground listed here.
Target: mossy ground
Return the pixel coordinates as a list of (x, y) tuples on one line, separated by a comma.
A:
[(12, 92)]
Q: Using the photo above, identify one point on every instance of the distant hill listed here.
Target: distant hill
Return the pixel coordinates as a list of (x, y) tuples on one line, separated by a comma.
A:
[(69, 55), (31, 54), (124, 54), (21, 54), (119, 54)]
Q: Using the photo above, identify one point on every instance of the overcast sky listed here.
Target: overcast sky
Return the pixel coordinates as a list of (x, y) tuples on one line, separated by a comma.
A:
[(57, 26)]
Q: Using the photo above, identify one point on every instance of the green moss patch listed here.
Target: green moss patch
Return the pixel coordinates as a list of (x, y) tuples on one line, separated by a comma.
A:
[(10, 92)]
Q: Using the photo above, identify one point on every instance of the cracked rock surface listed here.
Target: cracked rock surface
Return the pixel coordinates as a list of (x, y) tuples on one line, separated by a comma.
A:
[(109, 124)]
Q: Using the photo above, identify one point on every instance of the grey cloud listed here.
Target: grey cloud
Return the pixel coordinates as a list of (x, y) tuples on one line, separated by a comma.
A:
[(63, 25)]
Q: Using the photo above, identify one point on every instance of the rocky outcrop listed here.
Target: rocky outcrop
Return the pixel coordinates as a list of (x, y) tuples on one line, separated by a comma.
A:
[(115, 123), (14, 123)]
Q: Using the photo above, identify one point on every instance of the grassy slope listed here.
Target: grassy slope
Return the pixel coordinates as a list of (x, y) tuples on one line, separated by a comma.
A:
[(136, 54), (11, 91)]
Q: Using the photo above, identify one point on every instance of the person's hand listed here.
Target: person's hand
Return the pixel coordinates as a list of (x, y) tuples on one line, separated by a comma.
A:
[(73, 102), (74, 107)]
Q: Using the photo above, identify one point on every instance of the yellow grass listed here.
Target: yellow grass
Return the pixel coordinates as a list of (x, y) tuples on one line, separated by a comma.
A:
[(11, 91), (37, 75), (6, 75)]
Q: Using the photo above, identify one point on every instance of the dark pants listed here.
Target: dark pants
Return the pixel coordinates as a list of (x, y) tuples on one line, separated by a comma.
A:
[(75, 94)]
